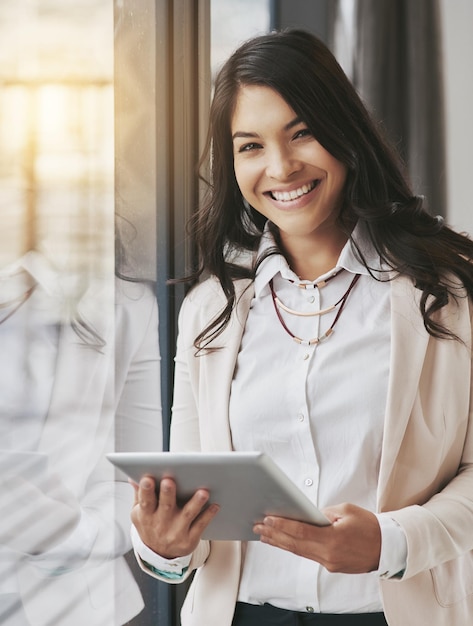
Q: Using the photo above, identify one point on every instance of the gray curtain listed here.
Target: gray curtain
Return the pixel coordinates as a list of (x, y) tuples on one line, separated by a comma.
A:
[(397, 69)]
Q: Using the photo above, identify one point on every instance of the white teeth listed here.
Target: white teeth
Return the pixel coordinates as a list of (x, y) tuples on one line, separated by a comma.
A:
[(285, 196)]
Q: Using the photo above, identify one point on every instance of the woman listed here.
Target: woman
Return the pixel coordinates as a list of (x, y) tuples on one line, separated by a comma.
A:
[(342, 350)]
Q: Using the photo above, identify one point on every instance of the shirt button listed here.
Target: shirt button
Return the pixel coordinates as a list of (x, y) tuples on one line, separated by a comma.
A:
[(306, 356), (300, 417), (311, 299), (308, 482), (309, 609)]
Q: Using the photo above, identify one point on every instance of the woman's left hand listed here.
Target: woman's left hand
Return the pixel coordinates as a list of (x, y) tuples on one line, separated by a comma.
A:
[(350, 545)]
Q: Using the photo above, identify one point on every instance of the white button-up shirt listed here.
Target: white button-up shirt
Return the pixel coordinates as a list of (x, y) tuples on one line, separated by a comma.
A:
[(318, 412)]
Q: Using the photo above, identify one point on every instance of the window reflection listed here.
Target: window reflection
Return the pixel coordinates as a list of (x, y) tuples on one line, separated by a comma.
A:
[(56, 129), (79, 358)]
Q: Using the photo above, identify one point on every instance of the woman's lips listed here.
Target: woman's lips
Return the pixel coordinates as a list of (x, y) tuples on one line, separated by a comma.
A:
[(300, 196), (293, 194)]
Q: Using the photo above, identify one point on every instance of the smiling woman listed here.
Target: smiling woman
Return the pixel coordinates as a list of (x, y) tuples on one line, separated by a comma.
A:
[(285, 174), (309, 214)]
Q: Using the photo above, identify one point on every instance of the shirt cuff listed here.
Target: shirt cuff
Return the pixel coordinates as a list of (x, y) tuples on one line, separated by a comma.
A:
[(393, 559), (169, 568)]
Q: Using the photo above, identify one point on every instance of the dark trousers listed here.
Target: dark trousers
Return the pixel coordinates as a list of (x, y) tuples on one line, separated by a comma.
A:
[(267, 615)]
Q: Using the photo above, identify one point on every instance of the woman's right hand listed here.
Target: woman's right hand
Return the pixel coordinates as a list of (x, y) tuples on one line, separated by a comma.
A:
[(167, 529)]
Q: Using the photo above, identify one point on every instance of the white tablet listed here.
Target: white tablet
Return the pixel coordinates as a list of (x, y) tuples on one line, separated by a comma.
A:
[(247, 486)]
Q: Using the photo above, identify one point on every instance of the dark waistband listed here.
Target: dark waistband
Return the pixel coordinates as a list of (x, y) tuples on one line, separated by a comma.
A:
[(268, 615)]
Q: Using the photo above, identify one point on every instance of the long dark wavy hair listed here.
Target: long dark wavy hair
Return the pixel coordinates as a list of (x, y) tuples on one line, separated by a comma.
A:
[(377, 193)]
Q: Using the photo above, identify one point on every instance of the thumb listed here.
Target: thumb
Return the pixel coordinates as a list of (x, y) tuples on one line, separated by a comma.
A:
[(333, 513)]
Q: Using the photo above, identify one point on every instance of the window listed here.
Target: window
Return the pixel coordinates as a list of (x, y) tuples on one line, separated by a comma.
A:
[(56, 130), (233, 22)]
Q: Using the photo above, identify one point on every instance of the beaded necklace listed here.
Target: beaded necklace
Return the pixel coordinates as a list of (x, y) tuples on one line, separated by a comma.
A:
[(309, 342)]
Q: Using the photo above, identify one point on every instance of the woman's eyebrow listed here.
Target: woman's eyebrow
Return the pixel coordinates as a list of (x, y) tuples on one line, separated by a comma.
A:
[(243, 135), (239, 134), (295, 122)]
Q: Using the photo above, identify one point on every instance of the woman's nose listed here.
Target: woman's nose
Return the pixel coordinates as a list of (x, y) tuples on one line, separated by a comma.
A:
[(282, 164)]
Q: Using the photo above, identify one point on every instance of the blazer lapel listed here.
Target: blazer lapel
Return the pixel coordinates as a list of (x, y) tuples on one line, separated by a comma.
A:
[(221, 366), (408, 348)]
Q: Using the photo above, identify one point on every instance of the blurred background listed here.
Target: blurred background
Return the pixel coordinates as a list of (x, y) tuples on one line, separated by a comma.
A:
[(56, 129), (57, 120)]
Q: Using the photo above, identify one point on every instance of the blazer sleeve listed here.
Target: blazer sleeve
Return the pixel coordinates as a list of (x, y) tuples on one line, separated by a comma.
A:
[(185, 435), (185, 429), (137, 415), (195, 386), (440, 529), (185, 432)]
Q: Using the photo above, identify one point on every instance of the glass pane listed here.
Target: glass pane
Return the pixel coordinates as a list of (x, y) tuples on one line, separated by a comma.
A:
[(56, 129), (234, 21), (79, 365)]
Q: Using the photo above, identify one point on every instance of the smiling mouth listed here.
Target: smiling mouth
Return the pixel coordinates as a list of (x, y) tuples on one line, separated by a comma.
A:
[(287, 196)]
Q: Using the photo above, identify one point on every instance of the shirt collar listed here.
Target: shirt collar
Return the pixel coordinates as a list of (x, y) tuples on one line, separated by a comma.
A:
[(39, 268), (276, 263)]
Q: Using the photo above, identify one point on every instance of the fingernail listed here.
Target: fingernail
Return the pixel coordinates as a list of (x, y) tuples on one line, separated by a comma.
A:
[(146, 483), (268, 521)]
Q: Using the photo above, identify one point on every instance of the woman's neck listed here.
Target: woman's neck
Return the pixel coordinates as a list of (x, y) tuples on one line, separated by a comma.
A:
[(309, 258)]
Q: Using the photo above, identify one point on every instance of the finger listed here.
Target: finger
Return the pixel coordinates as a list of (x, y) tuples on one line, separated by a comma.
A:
[(335, 513), (297, 537), (193, 508), (294, 528), (203, 520), (146, 495), (276, 537), (332, 516), (168, 502)]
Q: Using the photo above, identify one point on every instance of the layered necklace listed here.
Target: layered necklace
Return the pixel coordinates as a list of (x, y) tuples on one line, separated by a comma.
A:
[(340, 304)]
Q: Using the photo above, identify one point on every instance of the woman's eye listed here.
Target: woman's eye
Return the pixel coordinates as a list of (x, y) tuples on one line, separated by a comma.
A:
[(248, 147), (303, 132)]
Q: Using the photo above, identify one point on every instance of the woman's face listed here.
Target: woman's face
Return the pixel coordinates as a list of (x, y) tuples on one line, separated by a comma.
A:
[(281, 169)]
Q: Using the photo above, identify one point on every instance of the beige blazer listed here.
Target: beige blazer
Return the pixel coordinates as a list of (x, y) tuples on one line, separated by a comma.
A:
[(426, 473), (102, 400)]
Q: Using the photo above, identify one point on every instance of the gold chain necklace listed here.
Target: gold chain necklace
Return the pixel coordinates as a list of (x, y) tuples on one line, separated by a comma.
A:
[(310, 342)]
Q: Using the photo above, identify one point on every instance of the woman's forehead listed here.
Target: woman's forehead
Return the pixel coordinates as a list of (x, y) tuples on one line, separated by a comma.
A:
[(259, 105)]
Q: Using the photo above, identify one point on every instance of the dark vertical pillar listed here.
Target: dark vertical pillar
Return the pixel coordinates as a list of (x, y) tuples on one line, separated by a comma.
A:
[(312, 16), (162, 94)]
